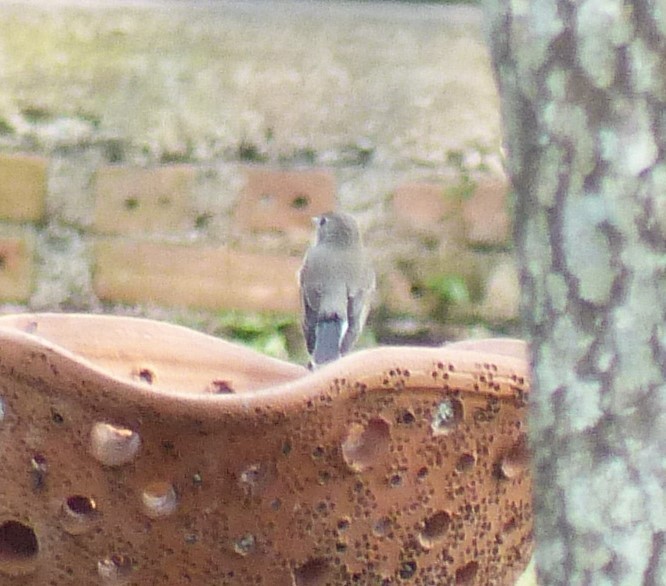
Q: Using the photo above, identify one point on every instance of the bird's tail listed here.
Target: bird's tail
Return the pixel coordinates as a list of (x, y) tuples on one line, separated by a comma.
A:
[(327, 341)]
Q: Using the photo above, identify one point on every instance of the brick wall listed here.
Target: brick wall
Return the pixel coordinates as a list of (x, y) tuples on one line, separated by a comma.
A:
[(148, 193), (147, 242)]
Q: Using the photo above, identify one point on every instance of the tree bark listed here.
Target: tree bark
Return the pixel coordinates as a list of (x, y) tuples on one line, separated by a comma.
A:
[(583, 89)]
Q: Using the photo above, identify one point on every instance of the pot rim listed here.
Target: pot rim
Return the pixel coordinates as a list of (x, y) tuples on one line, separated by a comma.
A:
[(43, 361)]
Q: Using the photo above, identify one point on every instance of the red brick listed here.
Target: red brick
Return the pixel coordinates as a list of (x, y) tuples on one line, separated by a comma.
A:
[(422, 206), (23, 187), (16, 266), (486, 214), (196, 276), (132, 200), (284, 200)]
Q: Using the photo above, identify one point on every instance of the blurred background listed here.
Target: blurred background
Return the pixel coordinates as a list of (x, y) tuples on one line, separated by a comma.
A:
[(163, 159)]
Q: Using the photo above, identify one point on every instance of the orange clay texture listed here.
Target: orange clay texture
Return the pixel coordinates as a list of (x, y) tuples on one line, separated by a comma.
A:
[(141, 453)]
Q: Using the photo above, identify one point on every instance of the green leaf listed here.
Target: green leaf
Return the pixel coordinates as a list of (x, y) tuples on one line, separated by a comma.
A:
[(451, 289)]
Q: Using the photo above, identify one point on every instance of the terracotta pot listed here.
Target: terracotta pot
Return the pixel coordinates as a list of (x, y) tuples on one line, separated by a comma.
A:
[(137, 452)]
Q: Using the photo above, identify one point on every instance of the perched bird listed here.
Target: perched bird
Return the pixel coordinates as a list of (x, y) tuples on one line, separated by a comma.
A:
[(336, 282)]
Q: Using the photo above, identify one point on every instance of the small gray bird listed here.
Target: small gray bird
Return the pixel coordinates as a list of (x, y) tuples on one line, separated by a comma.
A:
[(336, 282)]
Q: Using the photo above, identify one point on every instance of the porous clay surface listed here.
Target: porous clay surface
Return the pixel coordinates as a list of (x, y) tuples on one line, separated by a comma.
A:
[(141, 453)]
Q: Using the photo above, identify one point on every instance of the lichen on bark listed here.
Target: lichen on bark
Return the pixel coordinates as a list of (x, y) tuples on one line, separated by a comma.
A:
[(583, 95)]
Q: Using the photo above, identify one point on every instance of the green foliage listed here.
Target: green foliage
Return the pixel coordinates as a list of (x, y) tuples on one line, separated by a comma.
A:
[(6, 127), (184, 155), (250, 152), (465, 188), (37, 114), (449, 289), (266, 333), (304, 156), (455, 158), (93, 119), (462, 190), (114, 150)]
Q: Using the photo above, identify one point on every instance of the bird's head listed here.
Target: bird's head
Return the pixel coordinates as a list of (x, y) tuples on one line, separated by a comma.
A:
[(337, 229)]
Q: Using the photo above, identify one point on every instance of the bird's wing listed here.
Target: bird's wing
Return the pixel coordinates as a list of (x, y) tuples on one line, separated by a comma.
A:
[(358, 306), (310, 299)]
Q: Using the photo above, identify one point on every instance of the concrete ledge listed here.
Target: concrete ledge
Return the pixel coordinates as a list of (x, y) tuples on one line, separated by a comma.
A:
[(192, 80)]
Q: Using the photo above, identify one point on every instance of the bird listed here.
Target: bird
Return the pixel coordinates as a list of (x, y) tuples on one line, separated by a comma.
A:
[(336, 283)]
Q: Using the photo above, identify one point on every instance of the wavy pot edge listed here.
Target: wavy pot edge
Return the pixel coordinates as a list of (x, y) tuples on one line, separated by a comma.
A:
[(389, 420)]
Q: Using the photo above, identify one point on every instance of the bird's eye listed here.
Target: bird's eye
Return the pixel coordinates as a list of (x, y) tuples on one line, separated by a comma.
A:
[(323, 220)]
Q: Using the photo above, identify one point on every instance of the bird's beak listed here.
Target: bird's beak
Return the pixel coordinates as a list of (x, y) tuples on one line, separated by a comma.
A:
[(315, 220)]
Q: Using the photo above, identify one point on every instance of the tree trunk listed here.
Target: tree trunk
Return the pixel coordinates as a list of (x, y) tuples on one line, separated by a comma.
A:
[(583, 88)]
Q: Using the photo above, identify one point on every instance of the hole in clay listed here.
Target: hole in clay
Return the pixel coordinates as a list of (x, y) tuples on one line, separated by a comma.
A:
[(80, 505), (112, 445), (254, 479), (365, 446), (318, 453), (422, 474), (510, 525), (245, 545), (514, 463), (145, 375), (395, 480), (190, 538), (467, 574), (323, 477), (38, 461), (115, 569), (465, 462), (220, 387), (344, 523), (434, 528), (447, 416), (159, 499), (315, 572), (407, 569), (382, 527), (38, 469), (406, 417), (56, 417), (78, 514), (18, 548)]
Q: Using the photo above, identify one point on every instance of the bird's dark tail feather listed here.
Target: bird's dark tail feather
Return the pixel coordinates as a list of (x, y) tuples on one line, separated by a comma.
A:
[(327, 341)]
